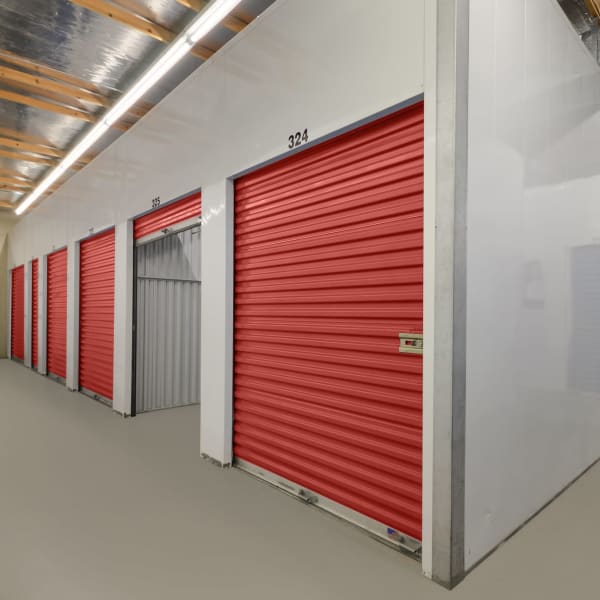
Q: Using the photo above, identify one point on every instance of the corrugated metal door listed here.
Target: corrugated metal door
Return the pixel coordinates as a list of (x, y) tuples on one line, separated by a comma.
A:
[(57, 314), (17, 313), (168, 215), (168, 321), (35, 271), (97, 314), (328, 272)]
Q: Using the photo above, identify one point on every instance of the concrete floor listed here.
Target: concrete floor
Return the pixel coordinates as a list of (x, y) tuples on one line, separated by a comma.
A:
[(96, 507)]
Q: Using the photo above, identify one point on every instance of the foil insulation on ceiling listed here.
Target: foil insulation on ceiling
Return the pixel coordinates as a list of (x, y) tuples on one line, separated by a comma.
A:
[(91, 47), (585, 24)]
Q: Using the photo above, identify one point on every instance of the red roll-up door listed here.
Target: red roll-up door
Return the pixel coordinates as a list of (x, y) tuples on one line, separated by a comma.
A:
[(97, 314), (34, 311), (328, 272), (17, 313), (168, 215), (57, 314)]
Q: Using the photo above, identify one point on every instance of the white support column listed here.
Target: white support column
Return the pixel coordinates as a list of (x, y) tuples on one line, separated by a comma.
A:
[(27, 285), (446, 95), (73, 316), (43, 315), (122, 374), (216, 404)]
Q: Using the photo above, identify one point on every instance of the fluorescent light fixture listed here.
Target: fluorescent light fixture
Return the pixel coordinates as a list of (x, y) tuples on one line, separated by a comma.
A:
[(205, 22), (174, 53)]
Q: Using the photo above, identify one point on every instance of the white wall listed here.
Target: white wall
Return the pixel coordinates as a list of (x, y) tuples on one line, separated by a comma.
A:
[(6, 225), (310, 64), (533, 383)]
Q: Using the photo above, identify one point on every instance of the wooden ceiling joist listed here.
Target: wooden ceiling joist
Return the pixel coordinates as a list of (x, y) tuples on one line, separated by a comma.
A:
[(35, 92), (47, 162), (138, 111), (232, 22), (126, 17), (45, 105), (202, 51), (18, 183), (44, 85), (28, 147), (60, 106), (24, 137), (4, 204), (86, 160), (14, 174), (20, 156), (57, 92), (594, 7), (45, 70), (73, 86), (12, 188)]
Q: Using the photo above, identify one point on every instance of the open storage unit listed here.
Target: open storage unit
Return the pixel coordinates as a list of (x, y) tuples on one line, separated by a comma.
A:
[(167, 306)]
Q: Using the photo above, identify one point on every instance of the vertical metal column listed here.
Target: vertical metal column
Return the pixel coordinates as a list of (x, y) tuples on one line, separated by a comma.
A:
[(446, 111)]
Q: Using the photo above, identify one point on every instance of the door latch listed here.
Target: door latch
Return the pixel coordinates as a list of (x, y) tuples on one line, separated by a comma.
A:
[(411, 343)]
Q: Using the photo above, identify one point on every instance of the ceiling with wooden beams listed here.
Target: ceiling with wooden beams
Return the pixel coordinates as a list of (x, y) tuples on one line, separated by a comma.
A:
[(64, 62)]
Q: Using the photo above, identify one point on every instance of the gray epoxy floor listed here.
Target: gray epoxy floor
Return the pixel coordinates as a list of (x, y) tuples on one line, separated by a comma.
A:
[(97, 507)]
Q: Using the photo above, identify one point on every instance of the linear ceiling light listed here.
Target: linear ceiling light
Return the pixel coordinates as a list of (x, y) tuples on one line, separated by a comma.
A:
[(205, 22)]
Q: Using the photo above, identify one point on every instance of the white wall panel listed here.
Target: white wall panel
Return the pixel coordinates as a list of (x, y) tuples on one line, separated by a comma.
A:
[(533, 412), (216, 430), (5, 226), (72, 379), (123, 340), (43, 315)]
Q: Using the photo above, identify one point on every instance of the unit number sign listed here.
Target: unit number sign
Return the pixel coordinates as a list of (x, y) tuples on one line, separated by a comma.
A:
[(297, 139)]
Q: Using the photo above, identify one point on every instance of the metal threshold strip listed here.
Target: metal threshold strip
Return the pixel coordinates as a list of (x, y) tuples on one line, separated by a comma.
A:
[(379, 531), (56, 378), (95, 396)]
